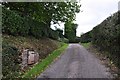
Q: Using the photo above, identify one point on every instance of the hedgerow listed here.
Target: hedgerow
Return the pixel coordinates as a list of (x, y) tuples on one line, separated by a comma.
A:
[(85, 38), (107, 37), (14, 24), (10, 62)]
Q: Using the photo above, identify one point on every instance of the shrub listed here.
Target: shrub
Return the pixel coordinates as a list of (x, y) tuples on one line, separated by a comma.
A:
[(87, 37), (10, 63), (65, 40), (53, 34), (14, 24), (106, 36)]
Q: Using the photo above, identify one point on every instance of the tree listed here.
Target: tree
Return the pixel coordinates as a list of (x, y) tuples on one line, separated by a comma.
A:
[(60, 32), (46, 11), (70, 31)]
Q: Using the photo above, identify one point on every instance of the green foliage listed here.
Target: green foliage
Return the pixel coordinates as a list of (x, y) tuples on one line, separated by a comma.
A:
[(10, 63), (87, 37), (64, 11), (16, 25), (17, 22), (53, 34), (38, 68), (46, 11), (13, 23), (86, 45), (77, 39), (65, 40), (37, 29), (107, 37), (60, 32), (70, 31)]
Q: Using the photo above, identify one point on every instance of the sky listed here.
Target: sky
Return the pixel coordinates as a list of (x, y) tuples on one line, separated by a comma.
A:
[(93, 13)]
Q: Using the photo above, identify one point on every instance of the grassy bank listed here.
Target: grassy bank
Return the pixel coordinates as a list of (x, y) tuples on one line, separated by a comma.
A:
[(41, 66), (12, 47), (86, 45), (43, 46)]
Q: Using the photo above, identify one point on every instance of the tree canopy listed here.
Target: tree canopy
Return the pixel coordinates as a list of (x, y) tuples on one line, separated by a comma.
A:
[(70, 31), (46, 11)]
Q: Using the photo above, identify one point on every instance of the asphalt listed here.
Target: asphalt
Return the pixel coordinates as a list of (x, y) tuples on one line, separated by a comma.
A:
[(76, 62)]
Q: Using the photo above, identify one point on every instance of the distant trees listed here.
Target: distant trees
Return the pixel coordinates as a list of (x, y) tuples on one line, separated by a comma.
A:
[(70, 31), (87, 37), (60, 32)]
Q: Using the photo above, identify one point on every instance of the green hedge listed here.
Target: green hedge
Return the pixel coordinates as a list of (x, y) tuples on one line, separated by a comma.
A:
[(53, 34), (107, 36), (10, 63), (14, 24), (37, 29), (87, 37)]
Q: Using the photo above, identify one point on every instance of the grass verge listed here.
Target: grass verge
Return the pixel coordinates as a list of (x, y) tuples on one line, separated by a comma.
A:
[(41, 66), (86, 45)]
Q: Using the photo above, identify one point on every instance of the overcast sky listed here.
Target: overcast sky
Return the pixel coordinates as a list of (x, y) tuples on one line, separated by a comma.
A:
[(94, 12)]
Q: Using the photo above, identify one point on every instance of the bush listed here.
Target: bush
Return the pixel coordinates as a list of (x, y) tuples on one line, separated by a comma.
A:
[(87, 37), (60, 33), (65, 40), (53, 34), (107, 36), (14, 24), (77, 39), (10, 63)]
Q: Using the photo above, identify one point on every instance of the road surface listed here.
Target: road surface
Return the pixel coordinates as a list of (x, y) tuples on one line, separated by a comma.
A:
[(76, 62)]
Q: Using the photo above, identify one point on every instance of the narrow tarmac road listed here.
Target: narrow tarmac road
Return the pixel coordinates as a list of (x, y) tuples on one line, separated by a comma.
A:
[(76, 62)]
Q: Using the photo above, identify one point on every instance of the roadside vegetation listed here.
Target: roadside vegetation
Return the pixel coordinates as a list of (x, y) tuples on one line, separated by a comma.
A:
[(105, 37), (28, 25), (11, 51), (41, 66), (86, 45)]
